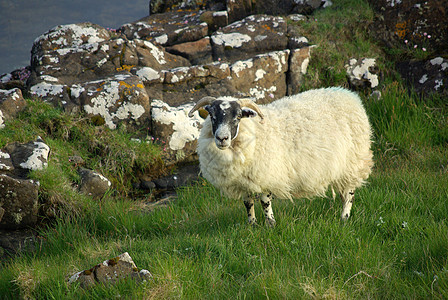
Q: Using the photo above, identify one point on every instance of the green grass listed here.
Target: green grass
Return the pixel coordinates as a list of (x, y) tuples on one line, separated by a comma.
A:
[(395, 245)]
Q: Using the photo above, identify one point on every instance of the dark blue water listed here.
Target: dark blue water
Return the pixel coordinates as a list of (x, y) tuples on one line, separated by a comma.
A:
[(21, 21)]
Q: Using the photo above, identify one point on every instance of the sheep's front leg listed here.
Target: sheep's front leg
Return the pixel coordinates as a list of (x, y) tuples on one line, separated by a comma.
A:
[(266, 200), (249, 203), (347, 200)]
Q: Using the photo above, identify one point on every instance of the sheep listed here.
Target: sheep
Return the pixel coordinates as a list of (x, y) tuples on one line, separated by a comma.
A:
[(295, 147)]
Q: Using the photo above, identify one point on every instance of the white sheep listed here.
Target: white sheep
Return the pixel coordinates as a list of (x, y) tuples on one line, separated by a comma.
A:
[(297, 146)]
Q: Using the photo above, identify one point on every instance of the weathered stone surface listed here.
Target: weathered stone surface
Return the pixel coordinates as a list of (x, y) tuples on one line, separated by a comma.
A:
[(15, 79), (121, 99), (173, 126), (362, 73), (5, 162), (183, 176), (111, 271), (29, 156), (412, 23), (298, 65), (168, 28), (17, 241), (253, 35), (11, 103), (18, 199), (93, 183), (238, 9), (427, 76), (198, 52)]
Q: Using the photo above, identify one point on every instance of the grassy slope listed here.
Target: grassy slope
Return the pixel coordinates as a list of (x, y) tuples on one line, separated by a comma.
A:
[(394, 246)]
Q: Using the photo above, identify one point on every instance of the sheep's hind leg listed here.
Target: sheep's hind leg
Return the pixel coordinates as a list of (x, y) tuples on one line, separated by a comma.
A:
[(347, 200), (267, 209), (249, 203)]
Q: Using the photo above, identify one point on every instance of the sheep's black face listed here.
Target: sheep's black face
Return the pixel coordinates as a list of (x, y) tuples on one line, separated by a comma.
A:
[(225, 117)]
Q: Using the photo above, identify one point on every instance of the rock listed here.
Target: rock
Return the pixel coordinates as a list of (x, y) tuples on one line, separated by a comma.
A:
[(15, 79), (28, 156), (298, 65), (173, 126), (5, 162), (413, 23), (93, 184), (238, 9), (121, 99), (11, 103), (13, 242), (111, 271), (426, 76), (183, 176), (168, 28), (253, 35), (60, 73), (362, 73), (19, 200), (198, 52)]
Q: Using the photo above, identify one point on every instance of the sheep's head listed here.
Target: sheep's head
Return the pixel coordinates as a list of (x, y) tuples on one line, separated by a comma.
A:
[(225, 116)]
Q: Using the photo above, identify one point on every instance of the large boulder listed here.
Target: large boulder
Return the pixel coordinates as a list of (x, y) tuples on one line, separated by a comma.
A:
[(426, 76), (120, 99), (18, 202), (405, 24), (168, 28), (11, 103), (251, 36)]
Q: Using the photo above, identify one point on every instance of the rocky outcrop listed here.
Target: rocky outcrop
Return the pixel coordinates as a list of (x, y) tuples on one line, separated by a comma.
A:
[(111, 271), (149, 72), (427, 76), (416, 29), (11, 103)]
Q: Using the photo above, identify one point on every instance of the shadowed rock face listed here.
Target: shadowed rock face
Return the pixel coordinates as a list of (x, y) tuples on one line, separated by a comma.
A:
[(415, 26)]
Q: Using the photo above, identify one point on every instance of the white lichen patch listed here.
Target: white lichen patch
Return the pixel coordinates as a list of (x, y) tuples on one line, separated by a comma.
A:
[(45, 89), (233, 40), (162, 39), (241, 65), (185, 129), (76, 90), (77, 35), (423, 79), (49, 78), (3, 155), (147, 74), (103, 102), (38, 159), (156, 52), (259, 74)]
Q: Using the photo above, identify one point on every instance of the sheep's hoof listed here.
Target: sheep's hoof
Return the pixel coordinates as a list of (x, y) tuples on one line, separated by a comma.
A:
[(345, 217), (252, 221), (270, 222)]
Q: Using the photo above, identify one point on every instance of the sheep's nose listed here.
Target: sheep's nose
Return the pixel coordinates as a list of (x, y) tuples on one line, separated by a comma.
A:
[(223, 138)]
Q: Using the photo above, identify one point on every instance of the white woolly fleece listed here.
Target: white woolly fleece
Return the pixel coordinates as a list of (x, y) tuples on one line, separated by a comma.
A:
[(307, 142)]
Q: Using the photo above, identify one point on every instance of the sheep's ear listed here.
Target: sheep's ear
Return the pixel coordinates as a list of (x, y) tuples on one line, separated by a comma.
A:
[(249, 113)]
